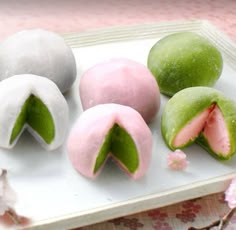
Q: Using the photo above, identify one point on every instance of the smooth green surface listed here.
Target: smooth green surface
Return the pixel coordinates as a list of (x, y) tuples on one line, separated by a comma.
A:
[(36, 114), (184, 60), (104, 151), (185, 105), (121, 145), (20, 121)]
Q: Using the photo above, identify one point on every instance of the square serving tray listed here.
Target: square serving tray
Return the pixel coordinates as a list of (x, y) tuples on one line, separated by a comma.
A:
[(56, 197)]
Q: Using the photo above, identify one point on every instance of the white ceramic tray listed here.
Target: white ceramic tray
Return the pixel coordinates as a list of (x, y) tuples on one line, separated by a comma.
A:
[(55, 196)]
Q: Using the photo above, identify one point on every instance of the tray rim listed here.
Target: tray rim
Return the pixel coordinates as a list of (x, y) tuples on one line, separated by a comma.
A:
[(153, 30), (144, 203), (136, 205)]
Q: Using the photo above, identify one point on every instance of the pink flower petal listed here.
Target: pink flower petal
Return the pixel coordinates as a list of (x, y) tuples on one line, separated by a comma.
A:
[(230, 194), (12, 219), (8, 216), (177, 160), (7, 195)]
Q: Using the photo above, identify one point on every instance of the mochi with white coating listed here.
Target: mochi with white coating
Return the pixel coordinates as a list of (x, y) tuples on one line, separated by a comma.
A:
[(38, 52), (34, 103), (110, 130)]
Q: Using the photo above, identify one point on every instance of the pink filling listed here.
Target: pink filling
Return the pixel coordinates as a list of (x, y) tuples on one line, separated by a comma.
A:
[(192, 129), (211, 123), (215, 132)]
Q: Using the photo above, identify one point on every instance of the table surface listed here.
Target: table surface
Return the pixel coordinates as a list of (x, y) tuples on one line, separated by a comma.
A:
[(82, 15)]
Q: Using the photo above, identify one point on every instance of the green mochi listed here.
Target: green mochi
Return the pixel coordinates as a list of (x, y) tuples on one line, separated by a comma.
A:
[(228, 110), (184, 60), (37, 116), (181, 109), (121, 145), (187, 104)]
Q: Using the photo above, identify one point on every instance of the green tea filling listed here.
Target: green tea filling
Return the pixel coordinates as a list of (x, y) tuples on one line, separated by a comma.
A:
[(121, 145), (36, 114)]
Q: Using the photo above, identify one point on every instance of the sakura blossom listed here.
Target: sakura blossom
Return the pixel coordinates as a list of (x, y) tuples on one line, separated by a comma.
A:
[(230, 194), (176, 160), (8, 216), (7, 195)]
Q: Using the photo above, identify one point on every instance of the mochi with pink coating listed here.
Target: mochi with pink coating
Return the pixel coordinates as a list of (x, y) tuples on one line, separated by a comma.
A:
[(121, 81), (203, 115), (110, 130)]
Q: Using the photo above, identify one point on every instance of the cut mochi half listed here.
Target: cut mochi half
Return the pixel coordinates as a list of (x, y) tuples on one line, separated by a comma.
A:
[(110, 130), (215, 134), (202, 115), (34, 103), (192, 129)]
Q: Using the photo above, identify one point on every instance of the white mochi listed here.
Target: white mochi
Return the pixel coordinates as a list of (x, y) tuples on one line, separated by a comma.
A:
[(14, 91), (38, 52)]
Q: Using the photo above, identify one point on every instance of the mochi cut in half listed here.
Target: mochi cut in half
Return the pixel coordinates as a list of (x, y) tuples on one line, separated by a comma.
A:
[(110, 130), (34, 103), (39, 52), (121, 81), (202, 115)]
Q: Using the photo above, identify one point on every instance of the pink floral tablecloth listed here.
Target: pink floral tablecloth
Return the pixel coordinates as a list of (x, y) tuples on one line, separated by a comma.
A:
[(65, 16), (197, 212)]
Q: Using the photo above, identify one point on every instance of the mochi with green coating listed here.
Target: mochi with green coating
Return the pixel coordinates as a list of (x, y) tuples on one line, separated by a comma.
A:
[(110, 130), (183, 60), (34, 103), (203, 115)]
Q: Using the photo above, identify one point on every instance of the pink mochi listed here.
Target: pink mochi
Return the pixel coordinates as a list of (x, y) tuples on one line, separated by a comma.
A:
[(89, 133), (121, 81)]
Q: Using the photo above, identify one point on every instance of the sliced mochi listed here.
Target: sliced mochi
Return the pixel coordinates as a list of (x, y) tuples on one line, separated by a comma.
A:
[(215, 135), (34, 103), (39, 52), (121, 81), (110, 130), (192, 129), (202, 115)]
